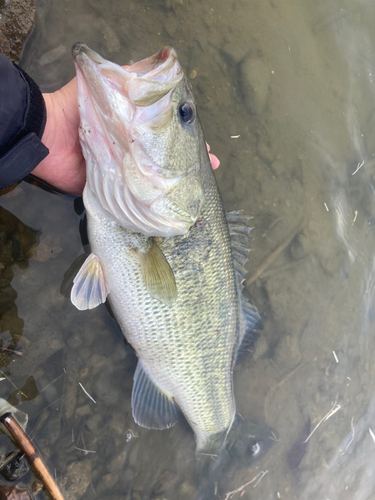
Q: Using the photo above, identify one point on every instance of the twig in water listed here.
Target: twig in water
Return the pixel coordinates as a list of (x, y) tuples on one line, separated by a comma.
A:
[(355, 216), (46, 407), (87, 394), (51, 383), (11, 350), (262, 474), (274, 437), (360, 165), (351, 437), (263, 266), (326, 206), (331, 412), (8, 379), (84, 451), (287, 377), (31, 454), (130, 435), (371, 434), (335, 356), (257, 478)]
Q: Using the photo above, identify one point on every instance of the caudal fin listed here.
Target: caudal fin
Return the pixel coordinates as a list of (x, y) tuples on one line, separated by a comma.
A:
[(245, 443)]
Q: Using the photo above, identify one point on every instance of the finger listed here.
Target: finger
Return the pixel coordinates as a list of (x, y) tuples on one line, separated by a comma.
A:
[(215, 162)]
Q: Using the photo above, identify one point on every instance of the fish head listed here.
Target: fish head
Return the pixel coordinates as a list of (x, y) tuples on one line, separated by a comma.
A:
[(142, 141)]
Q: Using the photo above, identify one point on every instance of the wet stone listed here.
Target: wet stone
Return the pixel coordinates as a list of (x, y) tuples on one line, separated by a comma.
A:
[(186, 490), (51, 430), (171, 25), (16, 23), (118, 424), (74, 341), (138, 482), (93, 422), (98, 361), (85, 354), (37, 486), (265, 152), (166, 481), (110, 480), (76, 479), (255, 80), (48, 248), (15, 468), (83, 411), (119, 497), (84, 372), (118, 462), (129, 475), (106, 386), (234, 52)]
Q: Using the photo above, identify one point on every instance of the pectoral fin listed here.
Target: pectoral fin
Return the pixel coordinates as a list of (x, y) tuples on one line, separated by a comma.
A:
[(152, 408), (89, 289), (158, 275)]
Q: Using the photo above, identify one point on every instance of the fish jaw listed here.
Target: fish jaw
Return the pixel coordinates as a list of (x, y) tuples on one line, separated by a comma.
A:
[(127, 118)]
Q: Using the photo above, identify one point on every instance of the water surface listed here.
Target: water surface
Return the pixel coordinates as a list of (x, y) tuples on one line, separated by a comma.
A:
[(285, 95)]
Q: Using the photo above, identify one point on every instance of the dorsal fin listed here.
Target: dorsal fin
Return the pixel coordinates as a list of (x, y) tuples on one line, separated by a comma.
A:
[(250, 321)]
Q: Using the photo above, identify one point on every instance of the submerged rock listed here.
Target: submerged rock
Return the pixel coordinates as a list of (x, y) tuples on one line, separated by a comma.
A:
[(16, 23)]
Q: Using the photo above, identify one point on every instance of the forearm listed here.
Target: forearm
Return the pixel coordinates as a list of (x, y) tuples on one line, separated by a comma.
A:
[(23, 118)]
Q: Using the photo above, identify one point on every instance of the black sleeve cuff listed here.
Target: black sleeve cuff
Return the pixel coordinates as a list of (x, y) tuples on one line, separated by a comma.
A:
[(21, 159), (21, 149)]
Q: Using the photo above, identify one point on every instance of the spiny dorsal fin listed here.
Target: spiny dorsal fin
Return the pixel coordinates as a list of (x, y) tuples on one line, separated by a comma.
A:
[(89, 289), (158, 275), (152, 408)]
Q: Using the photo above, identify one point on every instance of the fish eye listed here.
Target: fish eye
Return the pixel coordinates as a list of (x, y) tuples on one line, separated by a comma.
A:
[(186, 112), (255, 449)]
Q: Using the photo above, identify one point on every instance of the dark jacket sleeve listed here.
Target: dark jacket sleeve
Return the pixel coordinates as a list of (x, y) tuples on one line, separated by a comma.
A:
[(23, 118)]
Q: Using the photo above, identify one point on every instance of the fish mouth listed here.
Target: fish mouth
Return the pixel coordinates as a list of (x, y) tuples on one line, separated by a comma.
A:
[(144, 82), (155, 67), (81, 48)]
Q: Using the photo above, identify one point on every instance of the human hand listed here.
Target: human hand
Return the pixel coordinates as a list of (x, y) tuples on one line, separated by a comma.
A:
[(64, 167)]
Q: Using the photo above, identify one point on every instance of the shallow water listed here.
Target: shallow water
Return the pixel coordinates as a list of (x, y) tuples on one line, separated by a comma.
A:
[(294, 80)]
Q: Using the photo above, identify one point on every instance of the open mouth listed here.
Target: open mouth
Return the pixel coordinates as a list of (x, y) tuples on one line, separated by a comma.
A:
[(155, 66)]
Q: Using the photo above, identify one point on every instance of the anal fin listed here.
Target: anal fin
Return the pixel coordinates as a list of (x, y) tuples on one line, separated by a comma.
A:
[(152, 408), (89, 289)]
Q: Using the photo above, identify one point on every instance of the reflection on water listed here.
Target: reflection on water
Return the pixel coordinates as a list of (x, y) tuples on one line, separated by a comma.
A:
[(295, 82)]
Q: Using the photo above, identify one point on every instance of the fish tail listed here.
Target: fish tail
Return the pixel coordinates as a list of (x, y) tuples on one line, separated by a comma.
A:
[(222, 453)]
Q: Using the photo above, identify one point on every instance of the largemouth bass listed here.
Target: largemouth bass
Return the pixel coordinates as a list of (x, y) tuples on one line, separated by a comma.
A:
[(169, 259)]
